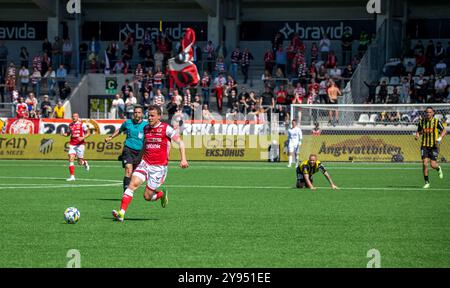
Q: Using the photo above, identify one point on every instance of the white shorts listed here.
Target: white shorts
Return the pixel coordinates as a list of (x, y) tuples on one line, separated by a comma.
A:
[(293, 147), (155, 175), (77, 150)]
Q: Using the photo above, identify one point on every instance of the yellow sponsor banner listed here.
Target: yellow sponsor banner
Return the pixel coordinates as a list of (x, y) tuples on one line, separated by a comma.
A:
[(208, 147), (44, 146), (358, 148), (367, 148)]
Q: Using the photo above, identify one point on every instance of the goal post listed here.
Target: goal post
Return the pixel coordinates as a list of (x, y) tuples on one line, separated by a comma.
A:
[(366, 133)]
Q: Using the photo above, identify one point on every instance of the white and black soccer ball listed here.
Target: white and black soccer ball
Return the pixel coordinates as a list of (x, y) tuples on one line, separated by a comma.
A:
[(71, 215)]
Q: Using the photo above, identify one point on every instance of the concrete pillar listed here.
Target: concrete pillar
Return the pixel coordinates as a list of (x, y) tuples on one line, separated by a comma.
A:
[(215, 25), (53, 28)]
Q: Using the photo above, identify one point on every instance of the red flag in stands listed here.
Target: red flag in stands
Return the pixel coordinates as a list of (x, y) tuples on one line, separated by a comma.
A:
[(181, 68)]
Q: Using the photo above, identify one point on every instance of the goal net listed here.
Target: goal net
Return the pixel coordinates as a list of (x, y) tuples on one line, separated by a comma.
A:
[(366, 133)]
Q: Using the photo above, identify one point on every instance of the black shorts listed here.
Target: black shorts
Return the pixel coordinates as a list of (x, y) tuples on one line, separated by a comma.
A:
[(301, 182), (130, 156), (431, 153)]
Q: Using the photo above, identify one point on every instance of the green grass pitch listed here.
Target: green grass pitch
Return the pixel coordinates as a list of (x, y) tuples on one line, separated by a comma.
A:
[(226, 215)]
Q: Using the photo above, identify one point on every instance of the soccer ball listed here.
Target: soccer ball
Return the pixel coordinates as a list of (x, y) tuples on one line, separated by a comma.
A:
[(71, 215)]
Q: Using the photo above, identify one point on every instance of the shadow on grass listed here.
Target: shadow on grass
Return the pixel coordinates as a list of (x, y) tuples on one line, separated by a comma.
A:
[(109, 199), (134, 219)]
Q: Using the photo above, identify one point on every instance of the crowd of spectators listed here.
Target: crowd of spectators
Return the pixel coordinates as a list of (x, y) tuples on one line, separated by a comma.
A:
[(294, 73), (419, 76), (40, 77)]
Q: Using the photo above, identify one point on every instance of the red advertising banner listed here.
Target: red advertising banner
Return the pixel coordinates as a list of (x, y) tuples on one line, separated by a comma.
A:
[(22, 126)]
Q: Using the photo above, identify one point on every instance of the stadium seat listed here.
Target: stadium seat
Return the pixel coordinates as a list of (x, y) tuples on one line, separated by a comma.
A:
[(363, 119), (377, 90), (409, 64), (390, 89), (420, 70), (447, 79), (416, 79), (394, 80), (373, 118), (384, 79), (405, 118)]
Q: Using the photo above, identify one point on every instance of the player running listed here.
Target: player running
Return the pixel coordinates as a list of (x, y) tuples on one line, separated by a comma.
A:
[(295, 137), (432, 131), (131, 154), (309, 167), (153, 166), (78, 132)]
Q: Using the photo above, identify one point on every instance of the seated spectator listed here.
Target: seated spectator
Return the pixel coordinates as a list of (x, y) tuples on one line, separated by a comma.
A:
[(58, 111), (206, 114), (440, 85), (46, 107), (32, 104), (440, 69), (394, 98)]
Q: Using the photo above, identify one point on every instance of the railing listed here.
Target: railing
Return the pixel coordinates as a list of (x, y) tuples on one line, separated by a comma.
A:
[(7, 110)]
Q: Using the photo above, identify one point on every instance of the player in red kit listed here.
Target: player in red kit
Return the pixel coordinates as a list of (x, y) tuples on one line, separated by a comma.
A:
[(78, 132), (153, 166)]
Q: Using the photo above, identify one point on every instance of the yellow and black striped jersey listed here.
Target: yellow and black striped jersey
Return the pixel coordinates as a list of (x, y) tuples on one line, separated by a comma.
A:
[(430, 130), (307, 168)]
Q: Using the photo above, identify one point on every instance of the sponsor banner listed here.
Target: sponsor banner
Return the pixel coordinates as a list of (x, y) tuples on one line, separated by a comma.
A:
[(367, 148), (225, 147), (227, 128), (22, 126), (110, 31), (56, 147), (55, 126), (306, 30), (198, 148), (19, 30)]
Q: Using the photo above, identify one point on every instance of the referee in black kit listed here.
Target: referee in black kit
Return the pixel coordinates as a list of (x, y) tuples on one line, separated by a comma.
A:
[(432, 131)]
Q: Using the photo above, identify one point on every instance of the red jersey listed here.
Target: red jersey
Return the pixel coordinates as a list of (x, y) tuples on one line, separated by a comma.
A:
[(157, 143), (22, 110), (76, 130)]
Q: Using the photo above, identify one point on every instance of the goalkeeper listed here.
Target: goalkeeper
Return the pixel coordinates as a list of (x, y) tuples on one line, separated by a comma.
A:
[(309, 167)]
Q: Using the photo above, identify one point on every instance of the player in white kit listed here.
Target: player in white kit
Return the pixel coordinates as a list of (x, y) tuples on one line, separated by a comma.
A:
[(295, 140)]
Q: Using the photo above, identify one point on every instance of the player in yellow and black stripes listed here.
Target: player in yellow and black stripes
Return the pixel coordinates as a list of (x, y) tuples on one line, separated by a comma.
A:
[(307, 168), (432, 131)]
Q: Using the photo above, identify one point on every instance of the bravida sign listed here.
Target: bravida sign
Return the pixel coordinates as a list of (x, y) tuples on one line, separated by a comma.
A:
[(306, 30), (17, 30)]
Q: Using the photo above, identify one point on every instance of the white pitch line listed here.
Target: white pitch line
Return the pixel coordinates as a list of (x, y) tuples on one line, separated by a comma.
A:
[(237, 167), (54, 178), (287, 187), (60, 186)]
